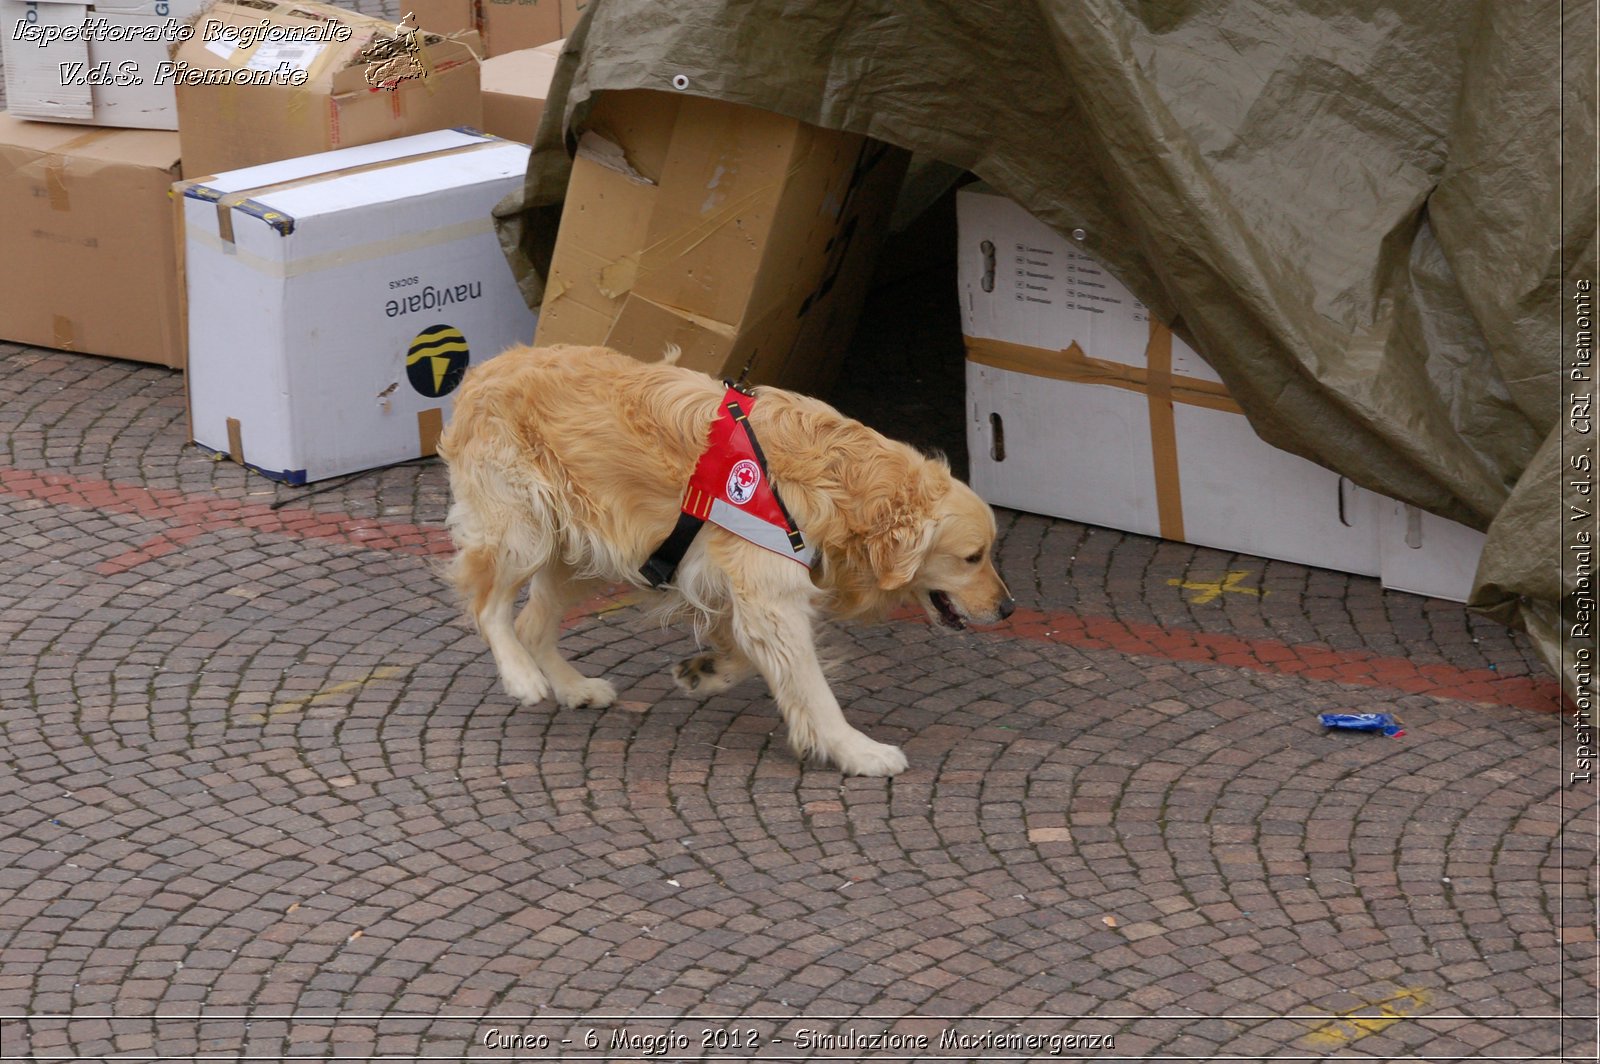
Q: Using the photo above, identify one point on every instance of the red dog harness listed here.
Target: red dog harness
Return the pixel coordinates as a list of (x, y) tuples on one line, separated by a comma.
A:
[(731, 489)]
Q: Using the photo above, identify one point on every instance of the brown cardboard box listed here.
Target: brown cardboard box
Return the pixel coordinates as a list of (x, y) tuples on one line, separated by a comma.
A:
[(230, 126), (505, 25), (512, 25), (90, 259), (446, 17), (571, 14), (514, 88), (98, 62), (745, 238)]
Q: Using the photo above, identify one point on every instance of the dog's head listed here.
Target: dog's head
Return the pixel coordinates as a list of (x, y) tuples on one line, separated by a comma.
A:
[(946, 561)]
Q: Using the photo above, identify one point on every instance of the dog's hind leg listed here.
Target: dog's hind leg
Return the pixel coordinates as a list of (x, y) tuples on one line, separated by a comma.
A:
[(485, 582), (551, 591)]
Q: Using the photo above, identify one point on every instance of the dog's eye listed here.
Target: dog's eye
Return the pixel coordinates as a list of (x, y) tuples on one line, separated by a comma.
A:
[(974, 559)]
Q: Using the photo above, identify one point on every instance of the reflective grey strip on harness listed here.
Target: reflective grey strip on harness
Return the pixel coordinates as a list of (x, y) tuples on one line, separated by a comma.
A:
[(761, 533)]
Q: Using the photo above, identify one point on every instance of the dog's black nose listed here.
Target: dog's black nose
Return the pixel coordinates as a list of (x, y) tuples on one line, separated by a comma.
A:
[(1007, 607)]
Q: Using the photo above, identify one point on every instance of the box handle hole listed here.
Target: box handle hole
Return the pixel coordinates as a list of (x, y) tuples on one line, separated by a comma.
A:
[(997, 438)]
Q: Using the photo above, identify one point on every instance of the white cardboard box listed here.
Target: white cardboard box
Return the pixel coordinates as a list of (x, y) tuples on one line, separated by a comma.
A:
[(1080, 406), (97, 62), (334, 300), (1427, 554)]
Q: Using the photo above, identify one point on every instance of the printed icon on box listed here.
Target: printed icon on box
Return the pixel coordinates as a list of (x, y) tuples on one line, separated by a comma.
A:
[(391, 60), (437, 360)]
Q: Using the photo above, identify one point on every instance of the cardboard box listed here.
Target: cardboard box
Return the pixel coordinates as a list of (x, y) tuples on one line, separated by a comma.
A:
[(1081, 406), (1427, 554), (1084, 407), (504, 25), (90, 262), (307, 87), (515, 86), (335, 300), (99, 62), (743, 237), (446, 17)]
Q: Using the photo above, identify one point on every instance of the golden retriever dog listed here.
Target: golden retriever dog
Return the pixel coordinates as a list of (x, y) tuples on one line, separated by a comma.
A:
[(568, 467)]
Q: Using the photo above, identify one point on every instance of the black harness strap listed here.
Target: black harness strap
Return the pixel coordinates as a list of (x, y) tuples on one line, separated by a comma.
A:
[(663, 564)]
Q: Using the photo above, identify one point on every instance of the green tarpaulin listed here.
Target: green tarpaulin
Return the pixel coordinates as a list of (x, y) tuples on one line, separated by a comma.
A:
[(1354, 210)]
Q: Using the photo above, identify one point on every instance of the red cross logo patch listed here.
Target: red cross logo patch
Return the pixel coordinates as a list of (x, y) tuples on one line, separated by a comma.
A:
[(743, 480)]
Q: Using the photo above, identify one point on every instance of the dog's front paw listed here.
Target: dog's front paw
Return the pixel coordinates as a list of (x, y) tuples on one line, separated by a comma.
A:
[(699, 675), (587, 694), (526, 687), (864, 757)]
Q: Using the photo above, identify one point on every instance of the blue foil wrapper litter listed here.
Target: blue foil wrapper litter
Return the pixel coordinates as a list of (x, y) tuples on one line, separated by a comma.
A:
[(1387, 723)]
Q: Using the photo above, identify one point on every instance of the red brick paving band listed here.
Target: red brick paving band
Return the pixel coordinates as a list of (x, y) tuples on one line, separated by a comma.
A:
[(189, 515)]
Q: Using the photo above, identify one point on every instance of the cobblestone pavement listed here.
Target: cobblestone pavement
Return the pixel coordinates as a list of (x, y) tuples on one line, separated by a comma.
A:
[(261, 796)]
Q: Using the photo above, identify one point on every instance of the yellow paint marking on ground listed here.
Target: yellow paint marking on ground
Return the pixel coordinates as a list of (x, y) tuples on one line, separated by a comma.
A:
[(1210, 590), (386, 672), (1351, 1027)]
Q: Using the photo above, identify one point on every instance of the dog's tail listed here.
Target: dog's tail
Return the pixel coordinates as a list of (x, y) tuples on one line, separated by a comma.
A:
[(671, 353)]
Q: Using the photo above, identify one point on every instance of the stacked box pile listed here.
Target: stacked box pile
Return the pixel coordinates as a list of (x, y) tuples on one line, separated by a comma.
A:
[(110, 101), (88, 151), (331, 266), (504, 25), (1084, 406)]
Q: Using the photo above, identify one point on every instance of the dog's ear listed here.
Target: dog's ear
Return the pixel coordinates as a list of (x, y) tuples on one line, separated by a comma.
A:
[(897, 553), (891, 497)]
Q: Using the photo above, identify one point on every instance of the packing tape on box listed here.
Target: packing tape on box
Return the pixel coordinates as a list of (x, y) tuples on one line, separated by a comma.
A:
[(55, 184), (62, 333), (55, 167), (273, 267), (1154, 380), (299, 100), (1072, 364), (1163, 432), (248, 200), (430, 426)]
